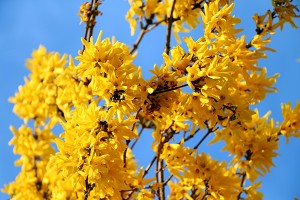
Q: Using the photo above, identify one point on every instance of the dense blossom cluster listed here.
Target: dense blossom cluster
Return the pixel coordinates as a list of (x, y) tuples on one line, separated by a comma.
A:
[(181, 12), (103, 102)]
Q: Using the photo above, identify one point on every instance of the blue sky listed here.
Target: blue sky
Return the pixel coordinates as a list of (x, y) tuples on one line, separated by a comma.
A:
[(27, 24)]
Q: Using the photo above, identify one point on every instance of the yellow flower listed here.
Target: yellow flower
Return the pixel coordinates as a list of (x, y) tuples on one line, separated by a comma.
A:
[(253, 146), (108, 71), (93, 149), (37, 98), (217, 20), (199, 172), (252, 192), (291, 118), (286, 12), (185, 12)]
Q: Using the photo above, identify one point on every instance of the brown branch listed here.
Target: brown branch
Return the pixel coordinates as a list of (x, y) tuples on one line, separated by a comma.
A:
[(61, 113), (137, 42), (159, 171), (242, 185), (154, 25), (94, 15), (194, 194), (88, 188), (190, 136), (209, 131), (168, 179), (160, 163), (160, 176), (145, 30), (140, 133), (86, 191), (36, 160), (157, 175), (205, 195), (170, 21), (248, 157), (149, 166), (162, 180), (145, 173), (206, 190), (168, 89), (87, 27), (91, 22), (128, 141)]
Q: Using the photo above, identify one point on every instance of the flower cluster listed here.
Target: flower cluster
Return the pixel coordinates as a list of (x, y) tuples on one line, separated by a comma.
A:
[(181, 12), (266, 24), (290, 125), (107, 70), (92, 151), (38, 100), (87, 10), (200, 175)]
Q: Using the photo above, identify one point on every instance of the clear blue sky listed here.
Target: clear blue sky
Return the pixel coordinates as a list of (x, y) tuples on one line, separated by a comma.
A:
[(27, 24)]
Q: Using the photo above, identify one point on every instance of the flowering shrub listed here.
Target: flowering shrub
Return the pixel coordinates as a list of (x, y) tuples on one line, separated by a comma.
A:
[(103, 104)]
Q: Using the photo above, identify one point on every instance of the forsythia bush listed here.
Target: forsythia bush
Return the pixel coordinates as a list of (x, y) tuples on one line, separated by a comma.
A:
[(103, 104)]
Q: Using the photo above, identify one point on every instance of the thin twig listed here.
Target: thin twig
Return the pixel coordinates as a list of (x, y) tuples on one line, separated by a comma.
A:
[(190, 136), (128, 141), (149, 166), (194, 194), (94, 15), (140, 133), (154, 25), (137, 42), (168, 89), (159, 171), (204, 137), (162, 180), (145, 30), (157, 175), (210, 130), (86, 191), (206, 189), (169, 29), (88, 188), (88, 23), (204, 196), (87, 27), (242, 185), (145, 173), (168, 179), (247, 155), (160, 163), (91, 22)]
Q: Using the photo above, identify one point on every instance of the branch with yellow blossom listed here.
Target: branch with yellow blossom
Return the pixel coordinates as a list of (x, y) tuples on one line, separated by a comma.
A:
[(97, 136), (165, 138), (209, 131), (168, 89), (88, 188), (284, 11), (248, 157), (128, 141), (88, 13)]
